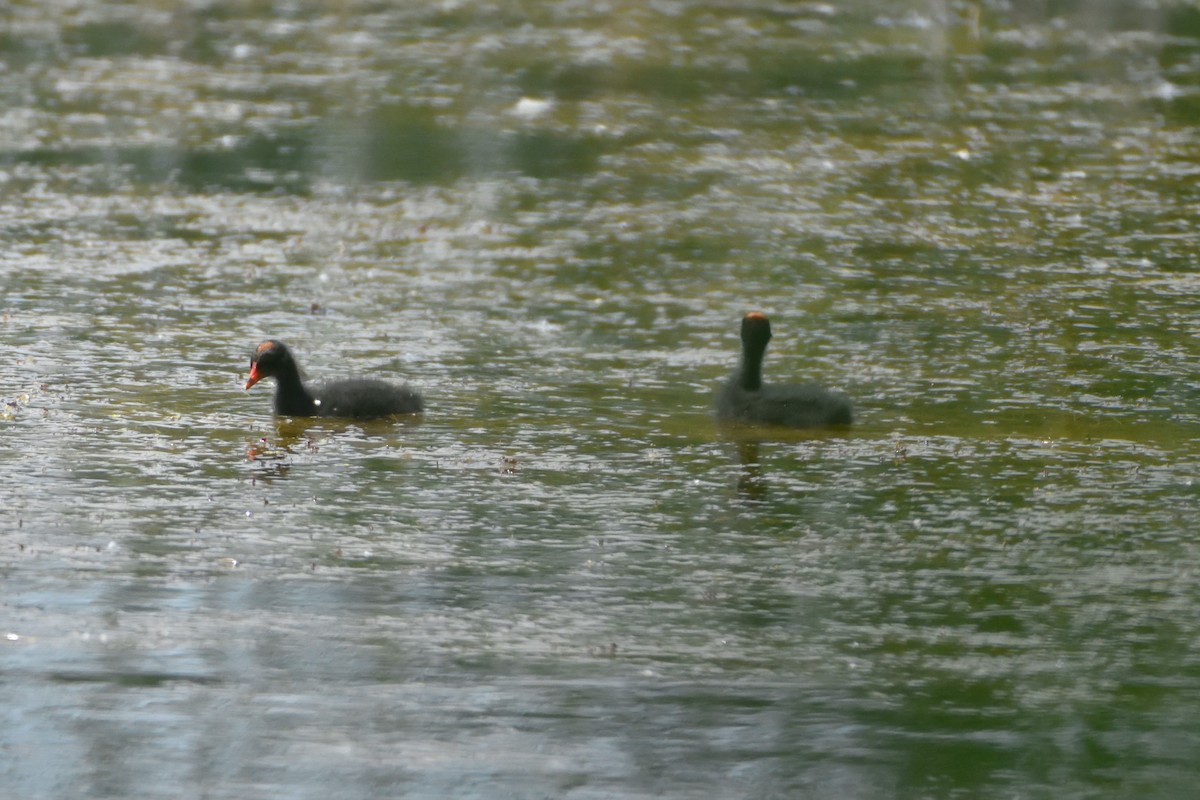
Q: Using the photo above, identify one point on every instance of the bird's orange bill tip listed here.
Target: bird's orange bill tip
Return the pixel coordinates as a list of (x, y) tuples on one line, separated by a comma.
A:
[(254, 376)]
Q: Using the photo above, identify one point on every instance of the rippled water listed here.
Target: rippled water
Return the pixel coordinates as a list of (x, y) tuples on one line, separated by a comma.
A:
[(566, 581)]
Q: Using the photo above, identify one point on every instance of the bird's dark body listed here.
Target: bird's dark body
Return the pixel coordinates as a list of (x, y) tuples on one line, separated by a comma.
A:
[(790, 405), (355, 398)]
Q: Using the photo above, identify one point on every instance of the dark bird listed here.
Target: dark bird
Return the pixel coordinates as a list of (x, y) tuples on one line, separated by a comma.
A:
[(745, 398), (357, 398)]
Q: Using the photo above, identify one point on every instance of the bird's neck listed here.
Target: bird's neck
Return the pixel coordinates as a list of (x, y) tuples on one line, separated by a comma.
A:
[(752, 358), (292, 398)]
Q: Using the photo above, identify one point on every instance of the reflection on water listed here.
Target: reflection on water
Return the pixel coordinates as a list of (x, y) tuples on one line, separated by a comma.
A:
[(567, 580), (751, 483)]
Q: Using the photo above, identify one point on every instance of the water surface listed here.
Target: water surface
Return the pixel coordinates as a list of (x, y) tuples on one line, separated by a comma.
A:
[(566, 580)]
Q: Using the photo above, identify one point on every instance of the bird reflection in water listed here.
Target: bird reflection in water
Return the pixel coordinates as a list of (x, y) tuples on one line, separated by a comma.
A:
[(751, 484)]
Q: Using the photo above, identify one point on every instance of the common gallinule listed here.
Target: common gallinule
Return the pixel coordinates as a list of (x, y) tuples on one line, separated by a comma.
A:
[(744, 397), (358, 398)]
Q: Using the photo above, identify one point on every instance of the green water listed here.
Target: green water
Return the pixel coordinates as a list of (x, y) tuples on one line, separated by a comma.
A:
[(566, 581)]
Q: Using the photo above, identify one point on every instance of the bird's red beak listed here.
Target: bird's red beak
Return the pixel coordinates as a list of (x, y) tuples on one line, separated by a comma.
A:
[(255, 376)]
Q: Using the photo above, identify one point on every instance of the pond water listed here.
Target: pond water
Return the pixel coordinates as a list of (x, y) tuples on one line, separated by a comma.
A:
[(976, 219)]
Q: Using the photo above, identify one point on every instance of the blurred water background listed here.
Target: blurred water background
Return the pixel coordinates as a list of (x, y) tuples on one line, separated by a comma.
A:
[(977, 219)]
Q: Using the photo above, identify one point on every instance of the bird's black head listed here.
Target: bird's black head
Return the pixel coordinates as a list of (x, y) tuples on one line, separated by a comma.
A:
[(271, 359), (756, 328)]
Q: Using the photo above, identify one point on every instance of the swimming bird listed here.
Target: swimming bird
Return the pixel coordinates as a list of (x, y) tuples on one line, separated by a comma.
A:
[(744, 397), (357, 398)]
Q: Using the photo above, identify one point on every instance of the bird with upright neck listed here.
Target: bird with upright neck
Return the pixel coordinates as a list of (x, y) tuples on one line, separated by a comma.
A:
[(745, 398)]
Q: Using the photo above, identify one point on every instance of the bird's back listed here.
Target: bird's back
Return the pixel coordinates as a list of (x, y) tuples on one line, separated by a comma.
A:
[(790, 405), (365, 398)]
